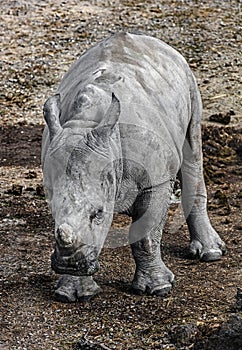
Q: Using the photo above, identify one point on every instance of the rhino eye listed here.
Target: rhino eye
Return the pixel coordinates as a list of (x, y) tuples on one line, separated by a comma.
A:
[(97, 216)]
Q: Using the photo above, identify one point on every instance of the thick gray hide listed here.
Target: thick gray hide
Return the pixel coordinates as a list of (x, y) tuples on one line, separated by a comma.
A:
[(124, 122)]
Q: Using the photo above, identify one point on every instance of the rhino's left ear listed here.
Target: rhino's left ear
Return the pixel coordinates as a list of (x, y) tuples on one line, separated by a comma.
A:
[(52, 113), (113, 113), (106, 126)]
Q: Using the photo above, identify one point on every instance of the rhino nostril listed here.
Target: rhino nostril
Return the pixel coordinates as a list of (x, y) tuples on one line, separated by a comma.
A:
[(64, 235)]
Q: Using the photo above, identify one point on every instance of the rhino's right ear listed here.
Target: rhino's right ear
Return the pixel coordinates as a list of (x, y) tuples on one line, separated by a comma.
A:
[(52, 113)]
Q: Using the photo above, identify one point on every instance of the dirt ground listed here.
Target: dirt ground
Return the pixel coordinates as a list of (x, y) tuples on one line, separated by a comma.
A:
[(40, 39)]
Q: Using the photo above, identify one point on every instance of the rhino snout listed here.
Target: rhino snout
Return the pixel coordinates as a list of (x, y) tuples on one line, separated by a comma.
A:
[(77, 264), (64, 236), (83, 262)]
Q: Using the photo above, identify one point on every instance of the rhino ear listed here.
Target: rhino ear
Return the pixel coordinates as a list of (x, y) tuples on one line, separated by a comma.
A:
[(52, 113), (112, 114), (105, 128)]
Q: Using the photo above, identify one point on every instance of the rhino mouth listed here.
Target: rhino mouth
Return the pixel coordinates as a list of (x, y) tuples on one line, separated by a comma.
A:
[(77, 264)]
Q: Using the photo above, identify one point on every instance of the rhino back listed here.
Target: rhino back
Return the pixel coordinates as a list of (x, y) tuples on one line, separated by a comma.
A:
[(138, 69), (153, 84)]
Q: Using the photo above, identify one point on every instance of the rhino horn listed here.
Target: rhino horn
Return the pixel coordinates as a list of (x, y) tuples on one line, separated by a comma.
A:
[(52, 113)]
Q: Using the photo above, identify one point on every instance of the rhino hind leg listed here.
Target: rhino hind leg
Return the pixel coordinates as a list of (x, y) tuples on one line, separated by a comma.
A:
[(205, 242), (74, 288)]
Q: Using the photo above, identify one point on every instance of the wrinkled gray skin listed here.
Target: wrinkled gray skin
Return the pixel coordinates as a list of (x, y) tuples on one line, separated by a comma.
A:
[(124, 122)]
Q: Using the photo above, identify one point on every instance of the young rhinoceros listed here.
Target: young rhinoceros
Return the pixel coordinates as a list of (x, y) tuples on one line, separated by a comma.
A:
[(124, 122)]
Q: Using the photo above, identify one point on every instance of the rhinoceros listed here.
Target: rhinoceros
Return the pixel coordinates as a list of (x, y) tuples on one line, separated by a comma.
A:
[(123, 124)]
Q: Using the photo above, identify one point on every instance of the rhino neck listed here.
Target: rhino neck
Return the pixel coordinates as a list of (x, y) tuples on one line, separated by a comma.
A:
[(80, 124)]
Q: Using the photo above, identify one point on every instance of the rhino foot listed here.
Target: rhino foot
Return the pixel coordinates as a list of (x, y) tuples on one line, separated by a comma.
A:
[(72, 288), (207, 247), (154, 282)]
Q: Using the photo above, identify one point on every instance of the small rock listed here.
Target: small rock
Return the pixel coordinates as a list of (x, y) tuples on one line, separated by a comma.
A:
[(221, 118), (31, 175), (238, 302), (221, 198), (86, 344), (29, 189), (239, 151), (229, 336), (221, 202), (16, 190), (40, 191), (183, 334)]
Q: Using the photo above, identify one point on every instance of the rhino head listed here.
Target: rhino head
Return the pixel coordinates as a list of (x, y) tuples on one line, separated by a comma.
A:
[(80, 179)]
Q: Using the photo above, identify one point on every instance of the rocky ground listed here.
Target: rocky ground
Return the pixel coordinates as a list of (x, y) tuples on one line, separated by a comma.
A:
[(40, 40)]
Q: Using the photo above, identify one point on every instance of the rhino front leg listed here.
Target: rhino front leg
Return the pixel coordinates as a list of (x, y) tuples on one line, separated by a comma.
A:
[(74, 288), (151, 275)]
